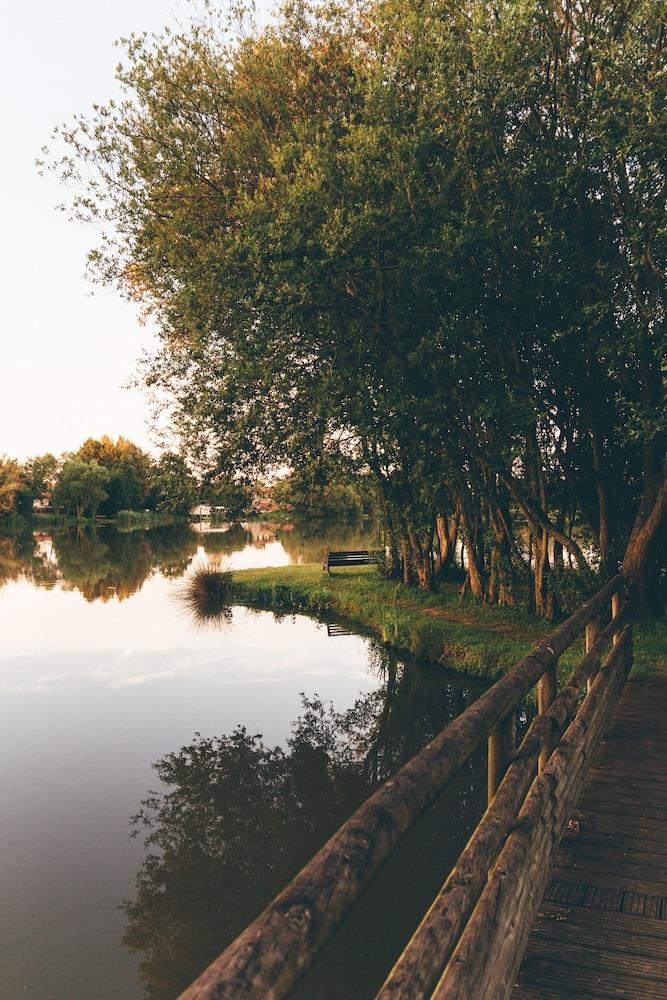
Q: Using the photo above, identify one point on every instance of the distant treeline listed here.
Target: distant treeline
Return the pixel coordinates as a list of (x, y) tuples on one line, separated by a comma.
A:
[(113, 479), (103, 478)]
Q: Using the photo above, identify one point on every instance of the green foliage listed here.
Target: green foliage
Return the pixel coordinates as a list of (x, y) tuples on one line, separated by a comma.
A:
[(38, 477), (81, 487), (423, 241), (174, 488), (10, 484), (129, 469), (298, 493), (234, 498)]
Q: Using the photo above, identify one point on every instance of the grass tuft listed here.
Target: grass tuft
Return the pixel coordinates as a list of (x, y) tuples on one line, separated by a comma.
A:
[(206, 593)]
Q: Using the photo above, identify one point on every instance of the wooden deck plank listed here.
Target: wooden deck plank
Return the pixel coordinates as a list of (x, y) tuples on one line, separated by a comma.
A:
[(640, 858), (604, 824), (606, 840), (607, 925), (606, 880), (602, 929), (606, 979)]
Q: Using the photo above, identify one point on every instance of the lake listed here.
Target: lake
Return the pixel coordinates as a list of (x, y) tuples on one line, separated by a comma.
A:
[(161, 781)]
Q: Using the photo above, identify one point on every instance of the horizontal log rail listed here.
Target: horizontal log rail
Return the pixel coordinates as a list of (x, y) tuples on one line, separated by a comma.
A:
[(472, 939)]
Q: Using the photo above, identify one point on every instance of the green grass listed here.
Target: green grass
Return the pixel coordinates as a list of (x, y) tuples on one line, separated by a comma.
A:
[(650, 648), (476, 639)]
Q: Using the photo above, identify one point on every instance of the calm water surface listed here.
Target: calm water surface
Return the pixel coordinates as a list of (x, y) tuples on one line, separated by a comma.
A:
[(115, 704)]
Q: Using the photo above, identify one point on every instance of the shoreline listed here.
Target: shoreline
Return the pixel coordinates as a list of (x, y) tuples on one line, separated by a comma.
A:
[(456, 633)]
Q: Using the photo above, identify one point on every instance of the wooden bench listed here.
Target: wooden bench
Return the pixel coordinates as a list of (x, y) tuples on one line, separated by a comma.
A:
[(360, 557)]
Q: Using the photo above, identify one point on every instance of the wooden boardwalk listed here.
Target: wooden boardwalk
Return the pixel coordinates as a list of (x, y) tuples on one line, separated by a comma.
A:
[(602, 930)]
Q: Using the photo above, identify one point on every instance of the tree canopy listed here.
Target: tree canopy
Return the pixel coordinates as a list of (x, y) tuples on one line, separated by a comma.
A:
[(81, 487), (423, 241), (129, 472)]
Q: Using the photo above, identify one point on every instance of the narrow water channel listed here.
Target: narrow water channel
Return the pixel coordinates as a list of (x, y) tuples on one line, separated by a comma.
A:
[(162, 781)]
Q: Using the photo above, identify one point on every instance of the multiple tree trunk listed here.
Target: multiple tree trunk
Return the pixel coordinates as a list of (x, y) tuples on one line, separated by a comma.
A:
[(497, 534)]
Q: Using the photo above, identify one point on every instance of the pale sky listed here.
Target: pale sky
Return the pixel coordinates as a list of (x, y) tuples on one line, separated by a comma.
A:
[(66, 348)]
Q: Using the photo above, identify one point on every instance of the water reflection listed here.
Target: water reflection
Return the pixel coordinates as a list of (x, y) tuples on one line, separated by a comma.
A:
[(108, 564), (101, 673), (236, 819)]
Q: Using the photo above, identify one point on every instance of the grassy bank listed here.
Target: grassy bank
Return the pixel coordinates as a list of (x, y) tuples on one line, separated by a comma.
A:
[(480, 640)]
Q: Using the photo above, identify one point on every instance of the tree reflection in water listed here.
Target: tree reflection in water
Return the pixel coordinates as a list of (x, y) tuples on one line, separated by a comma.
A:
[(237, 819), (102, 565), (110, 563)]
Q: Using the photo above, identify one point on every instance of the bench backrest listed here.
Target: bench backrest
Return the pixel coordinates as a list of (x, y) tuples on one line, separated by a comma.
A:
[(349, 558)]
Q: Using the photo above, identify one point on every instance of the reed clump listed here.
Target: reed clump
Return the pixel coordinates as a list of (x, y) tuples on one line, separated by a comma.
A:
[(206, 593)]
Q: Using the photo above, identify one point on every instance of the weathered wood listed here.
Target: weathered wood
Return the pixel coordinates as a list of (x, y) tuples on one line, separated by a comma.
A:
[(625, 913), (598, 829), (500, 748), (614, 957), (613, 981), (267, 959), (547, 689), (418, 968), (644, 935), (592, 632), (487, 957), (615, 604), (646, 857)]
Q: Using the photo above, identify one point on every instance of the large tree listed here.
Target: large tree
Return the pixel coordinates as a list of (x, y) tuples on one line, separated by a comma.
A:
[(426, 239), (81, 487), (130, 471), (38, 477)]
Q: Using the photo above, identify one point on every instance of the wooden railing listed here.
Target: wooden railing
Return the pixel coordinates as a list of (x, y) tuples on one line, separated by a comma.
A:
[(472, 939)]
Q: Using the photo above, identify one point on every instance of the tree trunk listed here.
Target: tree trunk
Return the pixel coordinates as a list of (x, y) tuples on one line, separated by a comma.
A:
[(474, 571), (604, 507), (540, 569), (501, 579), (598, 405), (531, 567), (422, 552), (649, 524), (447, 533), (405, 559), (470, 524), (391, 544), (558, 562)]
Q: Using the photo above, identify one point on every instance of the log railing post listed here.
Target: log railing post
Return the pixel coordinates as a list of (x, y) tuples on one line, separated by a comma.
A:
[(547, 689), (615, 605), (501, 746), (592, 632)]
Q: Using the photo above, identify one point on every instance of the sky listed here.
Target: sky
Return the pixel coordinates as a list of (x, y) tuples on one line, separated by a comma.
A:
[(67, 348)]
